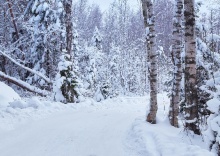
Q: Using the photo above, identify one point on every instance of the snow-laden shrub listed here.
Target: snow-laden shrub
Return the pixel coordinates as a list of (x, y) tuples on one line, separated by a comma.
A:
[(208, 64), (213, 105), (65, 86)]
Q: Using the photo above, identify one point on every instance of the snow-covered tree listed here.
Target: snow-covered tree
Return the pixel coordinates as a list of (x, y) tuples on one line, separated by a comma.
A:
[(208, 65), (113, 73), (44, 29), (95, 69), (66, 73), (66, 80)]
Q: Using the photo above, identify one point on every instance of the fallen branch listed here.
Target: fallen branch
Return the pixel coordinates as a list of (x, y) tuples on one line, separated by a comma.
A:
[(26, 68), (23, 85)]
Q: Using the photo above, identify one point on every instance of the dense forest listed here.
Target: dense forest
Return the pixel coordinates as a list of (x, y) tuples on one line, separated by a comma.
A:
[(68, 50), (108, 48)]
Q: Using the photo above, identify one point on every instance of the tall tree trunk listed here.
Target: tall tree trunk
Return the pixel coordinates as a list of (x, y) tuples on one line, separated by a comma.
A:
[(176, 54), (69, 26), (191, 97), (13, 19), (68, 87), (147, 7)]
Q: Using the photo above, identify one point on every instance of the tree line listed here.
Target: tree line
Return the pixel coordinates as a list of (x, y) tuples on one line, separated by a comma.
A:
[(70, 50)]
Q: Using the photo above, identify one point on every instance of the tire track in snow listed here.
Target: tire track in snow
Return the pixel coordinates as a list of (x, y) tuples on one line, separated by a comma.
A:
[(139, 143)]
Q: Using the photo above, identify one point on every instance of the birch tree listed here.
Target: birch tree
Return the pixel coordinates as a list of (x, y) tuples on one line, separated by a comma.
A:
[(176, 54), (148, 13), (191, 97)]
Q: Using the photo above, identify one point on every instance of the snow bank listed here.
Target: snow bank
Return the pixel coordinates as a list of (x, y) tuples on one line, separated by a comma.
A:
[(7, 95), (162, 139), (36, 108)]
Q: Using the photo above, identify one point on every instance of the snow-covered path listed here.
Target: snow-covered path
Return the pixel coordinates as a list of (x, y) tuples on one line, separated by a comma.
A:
[(112, 128), (84, 133)]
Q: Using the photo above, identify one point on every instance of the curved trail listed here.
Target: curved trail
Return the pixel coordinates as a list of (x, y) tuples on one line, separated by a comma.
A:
[(114, 128)]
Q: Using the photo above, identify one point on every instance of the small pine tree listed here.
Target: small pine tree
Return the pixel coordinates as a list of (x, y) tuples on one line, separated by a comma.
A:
[(106, 89), (65, 87), (95, 72), (114, 70), (92, 71), (97, 39)]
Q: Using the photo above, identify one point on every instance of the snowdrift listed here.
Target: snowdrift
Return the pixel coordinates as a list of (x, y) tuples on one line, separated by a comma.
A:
[(7, 95)]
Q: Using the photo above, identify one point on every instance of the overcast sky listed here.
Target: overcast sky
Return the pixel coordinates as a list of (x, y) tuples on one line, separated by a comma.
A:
[(104, 4)]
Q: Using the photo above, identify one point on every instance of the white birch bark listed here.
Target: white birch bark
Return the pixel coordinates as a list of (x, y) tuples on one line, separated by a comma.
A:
[(148, 13), (176, 54), (191, 97)]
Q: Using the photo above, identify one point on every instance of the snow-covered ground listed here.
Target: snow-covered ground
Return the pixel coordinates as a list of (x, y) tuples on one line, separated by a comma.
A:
[(114, 127)]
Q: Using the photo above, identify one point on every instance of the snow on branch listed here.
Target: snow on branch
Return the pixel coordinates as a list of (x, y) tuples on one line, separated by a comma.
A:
[(26, 68), (23, 84)]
